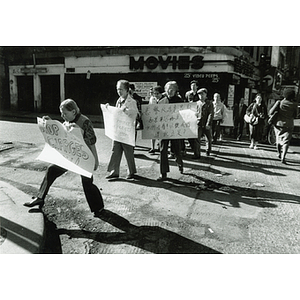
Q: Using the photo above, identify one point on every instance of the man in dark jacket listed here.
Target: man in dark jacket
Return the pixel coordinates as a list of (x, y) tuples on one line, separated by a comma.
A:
[(239, 111), (205, 115)]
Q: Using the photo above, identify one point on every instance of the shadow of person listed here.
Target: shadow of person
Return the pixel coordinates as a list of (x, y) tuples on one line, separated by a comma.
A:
[(150, 238)]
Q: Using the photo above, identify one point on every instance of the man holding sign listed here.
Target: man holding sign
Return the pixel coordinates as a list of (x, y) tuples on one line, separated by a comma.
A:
[(70, 112), (123, 133)]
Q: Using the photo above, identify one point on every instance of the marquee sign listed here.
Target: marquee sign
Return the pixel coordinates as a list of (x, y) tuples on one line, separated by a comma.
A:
[(183, 62)]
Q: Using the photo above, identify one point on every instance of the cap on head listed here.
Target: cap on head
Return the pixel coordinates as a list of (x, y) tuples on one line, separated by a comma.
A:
[(202, 90)]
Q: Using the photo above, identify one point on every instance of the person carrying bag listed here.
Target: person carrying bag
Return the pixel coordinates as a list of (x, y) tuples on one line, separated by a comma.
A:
[(259, 111)]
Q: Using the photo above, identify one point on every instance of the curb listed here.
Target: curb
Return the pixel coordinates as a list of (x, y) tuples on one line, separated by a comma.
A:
[(97, 120), (21, 232)]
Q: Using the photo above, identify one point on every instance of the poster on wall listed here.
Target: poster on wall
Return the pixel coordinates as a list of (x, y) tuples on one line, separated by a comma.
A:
[(230, 98), (246, 96), (66, 148), (228, 118), (143, 89), (169, 121)]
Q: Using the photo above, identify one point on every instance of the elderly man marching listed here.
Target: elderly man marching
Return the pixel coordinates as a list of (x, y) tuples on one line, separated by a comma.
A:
[(205, 115)]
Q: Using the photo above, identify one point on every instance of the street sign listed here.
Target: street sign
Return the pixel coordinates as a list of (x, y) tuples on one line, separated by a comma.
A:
[(268, 79), (34, 70)]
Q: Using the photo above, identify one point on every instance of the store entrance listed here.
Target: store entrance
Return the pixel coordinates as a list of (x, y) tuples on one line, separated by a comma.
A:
[(50, 93), (25, 93)]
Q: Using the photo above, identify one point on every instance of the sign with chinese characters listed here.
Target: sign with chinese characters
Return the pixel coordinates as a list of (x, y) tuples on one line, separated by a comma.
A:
[(118, 126), (169, 121), (66, 148)]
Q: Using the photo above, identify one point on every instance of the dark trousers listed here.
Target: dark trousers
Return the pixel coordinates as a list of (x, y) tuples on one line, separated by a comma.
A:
[(176, 146), (238, 126), (197, 142), (92, 193), (216, 129)]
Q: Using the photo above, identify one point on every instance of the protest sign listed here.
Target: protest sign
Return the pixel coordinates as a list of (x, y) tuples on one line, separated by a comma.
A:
[(169, 121), (66, 148), (118, 126)]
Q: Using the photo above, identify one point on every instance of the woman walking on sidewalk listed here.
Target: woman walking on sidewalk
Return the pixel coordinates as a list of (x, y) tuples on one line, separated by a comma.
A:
[(259, 111), (70, 112), (287, 111)]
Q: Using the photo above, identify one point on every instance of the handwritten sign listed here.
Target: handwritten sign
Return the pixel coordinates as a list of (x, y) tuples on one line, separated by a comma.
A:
[(118, 126), (66, 148), (169, 121)]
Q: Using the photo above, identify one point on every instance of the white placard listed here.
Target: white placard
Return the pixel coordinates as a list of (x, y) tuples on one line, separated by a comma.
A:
[(169, 121), (118, 126), (66, 148)]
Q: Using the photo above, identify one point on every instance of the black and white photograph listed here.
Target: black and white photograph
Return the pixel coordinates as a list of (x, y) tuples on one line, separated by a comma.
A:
[(137, 145)]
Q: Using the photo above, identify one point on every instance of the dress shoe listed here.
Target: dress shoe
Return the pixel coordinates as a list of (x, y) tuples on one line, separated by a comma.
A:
[(112, 176), (162, 177), (181, 170), (130, 176), (35, 201), (152, 151)]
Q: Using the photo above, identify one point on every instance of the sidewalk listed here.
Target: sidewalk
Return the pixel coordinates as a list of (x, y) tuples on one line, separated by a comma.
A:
[(21, 232), (20, 116)]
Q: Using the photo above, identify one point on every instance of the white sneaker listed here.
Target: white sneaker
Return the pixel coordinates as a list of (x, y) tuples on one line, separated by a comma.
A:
[(251, 146), (255, 147)]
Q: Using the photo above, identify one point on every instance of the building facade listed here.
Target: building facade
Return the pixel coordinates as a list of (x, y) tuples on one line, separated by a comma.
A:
[(39, 78)]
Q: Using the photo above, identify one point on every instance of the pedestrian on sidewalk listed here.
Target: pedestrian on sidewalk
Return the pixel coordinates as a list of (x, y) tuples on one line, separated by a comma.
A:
[(239, 111), (205, 115), (287, 111), (259, 111), (139, 102), (171, 89), (128, 105), (192, 96), (218, 119), (70, 112)]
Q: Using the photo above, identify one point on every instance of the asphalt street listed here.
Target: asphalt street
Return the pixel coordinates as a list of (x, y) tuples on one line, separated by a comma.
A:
[(238, 200)]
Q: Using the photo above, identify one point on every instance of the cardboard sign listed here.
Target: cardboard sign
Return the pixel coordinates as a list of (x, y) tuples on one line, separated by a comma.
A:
[(118, 126), (66, 148), (169, 121)]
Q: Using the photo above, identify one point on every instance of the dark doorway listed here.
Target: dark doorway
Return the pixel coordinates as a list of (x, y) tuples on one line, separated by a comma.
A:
[(25, 93), (50, 87)]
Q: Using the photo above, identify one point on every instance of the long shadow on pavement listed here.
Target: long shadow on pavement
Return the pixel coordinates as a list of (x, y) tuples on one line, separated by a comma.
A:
[(150, 238), (209, 190)]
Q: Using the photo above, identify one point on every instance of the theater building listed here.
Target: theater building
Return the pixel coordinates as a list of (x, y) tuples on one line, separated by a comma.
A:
[(42, 77)]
